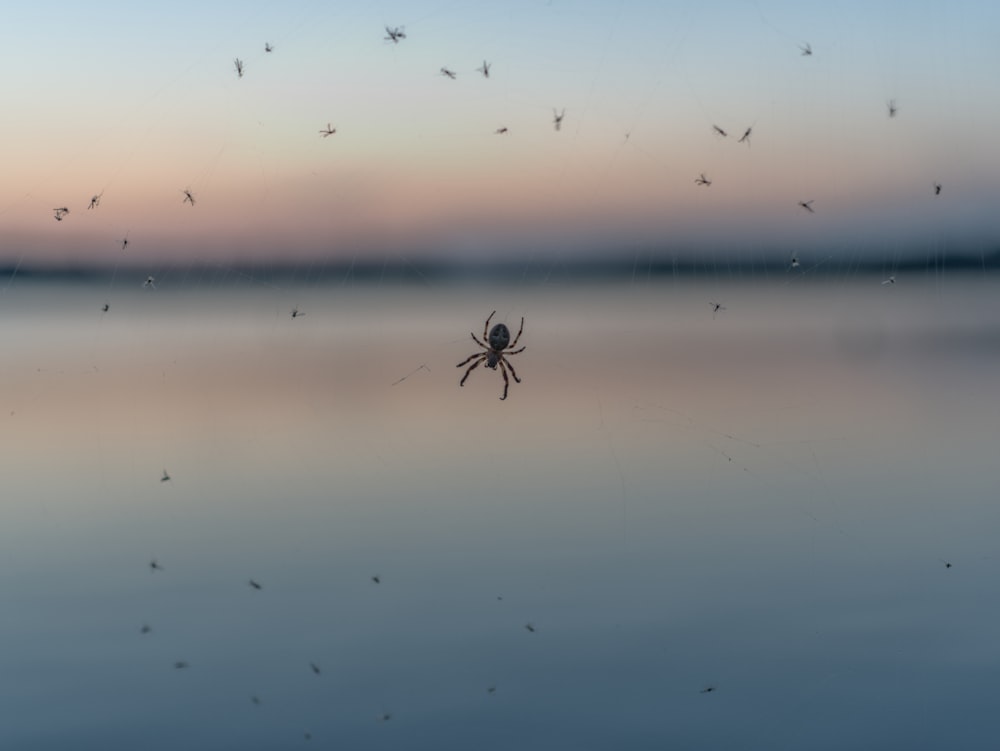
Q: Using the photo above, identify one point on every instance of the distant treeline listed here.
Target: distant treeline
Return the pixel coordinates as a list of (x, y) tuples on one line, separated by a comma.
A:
[(410, 270)]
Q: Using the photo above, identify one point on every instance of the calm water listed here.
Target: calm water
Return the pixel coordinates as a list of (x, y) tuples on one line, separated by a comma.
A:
[(762, 502)]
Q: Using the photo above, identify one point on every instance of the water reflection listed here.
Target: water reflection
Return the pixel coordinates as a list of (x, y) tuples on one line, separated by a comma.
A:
[(760, 501)]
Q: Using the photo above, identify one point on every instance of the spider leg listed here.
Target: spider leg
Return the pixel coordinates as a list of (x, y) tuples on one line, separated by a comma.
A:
[(512, 371), (506, 380), (470, 358), (514, 343), (476, 364), (515, 352), (476, 340), (486, 328)]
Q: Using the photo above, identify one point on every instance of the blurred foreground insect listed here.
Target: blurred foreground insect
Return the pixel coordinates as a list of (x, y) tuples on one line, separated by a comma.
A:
[(937, 189), (239, 67), (95, 201), (497, 340), (151, 282), (155, 566), (807, 205), (716, 307), (702, 180), (807, 49), (890, 281), (188, 196), (394, 34), (891, 107), (485, 69), (557, 118), (255, 585), (315, 668), (60, 213), (448, 73), (328, 131), (268, 47), (719, 131), (746, 135), (501, 131)]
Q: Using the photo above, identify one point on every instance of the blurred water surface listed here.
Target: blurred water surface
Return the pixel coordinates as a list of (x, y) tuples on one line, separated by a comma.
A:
[(762, 500)]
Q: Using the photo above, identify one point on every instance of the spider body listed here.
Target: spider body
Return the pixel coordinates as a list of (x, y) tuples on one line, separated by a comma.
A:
[(498, 346)]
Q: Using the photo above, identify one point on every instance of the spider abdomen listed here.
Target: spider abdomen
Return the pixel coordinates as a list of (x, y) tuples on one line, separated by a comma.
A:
[(499, 338)]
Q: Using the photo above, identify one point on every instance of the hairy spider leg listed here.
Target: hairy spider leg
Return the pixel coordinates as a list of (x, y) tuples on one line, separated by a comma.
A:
[(476, 364), (486, 328), (476, 340), (506, 380), (514, 343), (470, 358), (515, 352), (512, 371)]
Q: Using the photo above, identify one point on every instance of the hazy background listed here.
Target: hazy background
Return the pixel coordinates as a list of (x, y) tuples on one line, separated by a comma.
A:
[(137, 103), (763, 502), (753, 450)]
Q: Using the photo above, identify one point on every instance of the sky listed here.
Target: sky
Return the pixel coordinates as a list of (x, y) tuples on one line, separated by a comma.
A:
[(136, 104)]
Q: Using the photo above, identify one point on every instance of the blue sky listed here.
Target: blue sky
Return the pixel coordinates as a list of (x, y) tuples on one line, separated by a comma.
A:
[(138, 103)]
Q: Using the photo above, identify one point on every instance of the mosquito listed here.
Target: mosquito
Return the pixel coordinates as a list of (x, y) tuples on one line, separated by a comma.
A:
[(296, 313), (890, 281), (180, 665), (154, 565), (125, 241), (807, 49), (106, 307), (484, 69), (529, 628), (937, 189), (95, 201), (166, 477), (315, 668), (268, 47), (239, 67), (707, 690), (746, 135), (150, 283), (60, 213), (501, 131), (794, 263), (716, 307), (891, 107), (328, 131), (188, 196), (377, 579), (557, 118), (702, 180), (394, 34), (146, 628), (254, 584), (807, 205), (449, 73), (719, 131)]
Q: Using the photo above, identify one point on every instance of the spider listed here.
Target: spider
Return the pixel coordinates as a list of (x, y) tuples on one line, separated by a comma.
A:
[(498, 340)]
